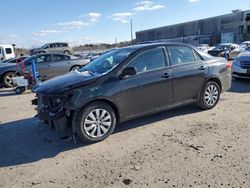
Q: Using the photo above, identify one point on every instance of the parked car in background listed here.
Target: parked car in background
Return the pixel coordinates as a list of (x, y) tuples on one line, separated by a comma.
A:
[(57, 47), (131, 82), (221, 50), (204, 47), (48, 66), (6, 52), (232, 53), (245, 44), (92, 54), (241, 66)]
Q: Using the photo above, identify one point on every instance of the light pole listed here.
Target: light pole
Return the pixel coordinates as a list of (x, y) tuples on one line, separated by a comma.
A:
[(131, 30)]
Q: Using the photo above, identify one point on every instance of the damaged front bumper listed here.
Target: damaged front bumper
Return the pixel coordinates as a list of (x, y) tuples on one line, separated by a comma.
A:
[(51, 108)]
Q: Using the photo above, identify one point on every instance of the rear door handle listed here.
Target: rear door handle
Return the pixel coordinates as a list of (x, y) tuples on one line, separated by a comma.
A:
[(166, 75), (202, 68)]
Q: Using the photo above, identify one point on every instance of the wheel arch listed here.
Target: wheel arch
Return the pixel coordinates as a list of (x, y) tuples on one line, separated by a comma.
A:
[(3, 74), (64, 52), (215, 79), (212, 78), (108, 102)]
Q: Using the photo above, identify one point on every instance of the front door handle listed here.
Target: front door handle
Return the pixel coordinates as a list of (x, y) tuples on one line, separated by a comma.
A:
[(166, 75), (202, 68)]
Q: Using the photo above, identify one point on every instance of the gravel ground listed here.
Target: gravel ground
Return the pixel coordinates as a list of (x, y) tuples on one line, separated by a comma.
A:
[(184, 147)]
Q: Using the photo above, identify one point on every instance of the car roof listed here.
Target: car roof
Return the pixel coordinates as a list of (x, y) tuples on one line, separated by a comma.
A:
[(151, 44), (58, 43), (51, 54)]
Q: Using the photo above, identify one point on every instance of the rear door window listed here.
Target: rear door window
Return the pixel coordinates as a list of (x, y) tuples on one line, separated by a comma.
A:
[(59, 58), (181, 54), (52, 45)]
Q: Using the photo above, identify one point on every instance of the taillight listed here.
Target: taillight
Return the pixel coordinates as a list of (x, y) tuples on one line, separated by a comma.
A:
[(229, 65)]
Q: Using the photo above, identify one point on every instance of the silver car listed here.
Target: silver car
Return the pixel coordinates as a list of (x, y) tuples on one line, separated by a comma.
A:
[(51, 65), (57, 47), (241, 66)]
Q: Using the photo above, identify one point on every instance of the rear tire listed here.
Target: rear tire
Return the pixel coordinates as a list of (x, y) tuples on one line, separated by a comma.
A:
[(19, 90), (7, 79), (95, 122), (76, 67), (209, 96)]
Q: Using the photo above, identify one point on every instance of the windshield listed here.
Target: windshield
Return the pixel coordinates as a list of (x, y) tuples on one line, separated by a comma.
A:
[(107, 61), (45, 46)]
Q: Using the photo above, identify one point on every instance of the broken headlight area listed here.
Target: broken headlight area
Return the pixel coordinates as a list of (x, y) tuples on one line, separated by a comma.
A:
[(51, 107)]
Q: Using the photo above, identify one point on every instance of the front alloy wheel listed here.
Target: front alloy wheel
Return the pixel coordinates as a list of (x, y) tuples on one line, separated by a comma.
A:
[(95, 122)]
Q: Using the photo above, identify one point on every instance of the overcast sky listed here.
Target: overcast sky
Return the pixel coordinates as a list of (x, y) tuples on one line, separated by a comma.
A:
[(29, 23)]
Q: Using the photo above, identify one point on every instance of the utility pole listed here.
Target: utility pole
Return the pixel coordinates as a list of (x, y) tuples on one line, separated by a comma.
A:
[(131, 28), (115, 41)]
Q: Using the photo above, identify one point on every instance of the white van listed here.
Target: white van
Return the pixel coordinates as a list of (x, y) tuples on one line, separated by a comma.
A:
[(6, 52)]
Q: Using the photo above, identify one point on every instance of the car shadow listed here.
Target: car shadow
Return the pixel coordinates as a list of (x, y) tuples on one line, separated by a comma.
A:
[(10, 92), (27, 141), (148, 120), (7, 92), (240, 86)]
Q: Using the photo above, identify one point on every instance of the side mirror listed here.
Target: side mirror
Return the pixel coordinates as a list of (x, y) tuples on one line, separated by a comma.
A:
[(128, 71)]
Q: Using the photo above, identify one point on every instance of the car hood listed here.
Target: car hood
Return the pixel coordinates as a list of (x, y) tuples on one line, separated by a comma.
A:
[(67, 82)]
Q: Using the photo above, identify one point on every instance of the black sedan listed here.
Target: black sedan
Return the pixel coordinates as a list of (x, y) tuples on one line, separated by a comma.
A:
[(130, 82)]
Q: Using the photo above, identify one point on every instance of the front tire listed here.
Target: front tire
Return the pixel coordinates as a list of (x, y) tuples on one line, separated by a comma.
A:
[(95, 122), (209, 96)]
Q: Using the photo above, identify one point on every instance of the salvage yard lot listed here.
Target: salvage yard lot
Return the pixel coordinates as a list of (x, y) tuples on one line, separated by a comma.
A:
[(185, 147)]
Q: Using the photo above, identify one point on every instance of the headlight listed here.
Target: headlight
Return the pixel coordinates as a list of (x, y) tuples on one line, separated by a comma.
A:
[(58, 100), (236, 62)]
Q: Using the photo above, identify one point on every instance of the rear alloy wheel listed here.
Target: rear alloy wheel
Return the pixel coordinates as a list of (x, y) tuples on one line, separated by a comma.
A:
[(7, 79), (96, 122), (75, 68), (210, 95)]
